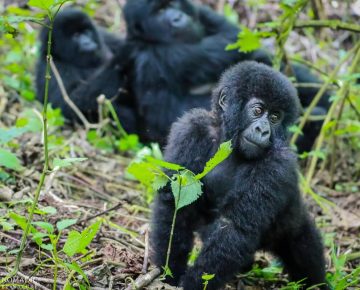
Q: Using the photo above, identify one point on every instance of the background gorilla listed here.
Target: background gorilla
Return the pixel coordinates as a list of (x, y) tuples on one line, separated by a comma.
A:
[(179, 49), (179, 52), (250, 201), (87, 67)]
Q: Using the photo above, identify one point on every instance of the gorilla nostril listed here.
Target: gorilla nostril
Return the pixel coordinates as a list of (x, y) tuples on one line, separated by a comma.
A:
[(265, 133)]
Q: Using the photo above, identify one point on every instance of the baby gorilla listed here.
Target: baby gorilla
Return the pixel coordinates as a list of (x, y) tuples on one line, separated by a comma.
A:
[(250, 201)]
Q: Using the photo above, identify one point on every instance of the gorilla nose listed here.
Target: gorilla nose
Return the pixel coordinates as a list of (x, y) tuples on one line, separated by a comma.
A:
[(178, 19), (264, 132)]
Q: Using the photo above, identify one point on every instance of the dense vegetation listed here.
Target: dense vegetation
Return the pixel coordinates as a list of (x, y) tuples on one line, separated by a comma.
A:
[(72, 214)]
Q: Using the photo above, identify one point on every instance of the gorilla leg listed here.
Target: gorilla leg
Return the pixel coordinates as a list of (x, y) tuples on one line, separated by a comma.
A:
[(302, 254), (182, 242), (226, 252)]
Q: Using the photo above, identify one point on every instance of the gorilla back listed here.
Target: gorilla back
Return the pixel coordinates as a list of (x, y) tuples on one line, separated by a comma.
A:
[(86, 65), (251, 201)]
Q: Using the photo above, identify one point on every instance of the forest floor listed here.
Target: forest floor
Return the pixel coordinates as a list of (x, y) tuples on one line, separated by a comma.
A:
[(100, 189)]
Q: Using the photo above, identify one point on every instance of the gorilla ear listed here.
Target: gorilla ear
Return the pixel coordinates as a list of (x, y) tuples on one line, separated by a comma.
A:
[(222, 99)]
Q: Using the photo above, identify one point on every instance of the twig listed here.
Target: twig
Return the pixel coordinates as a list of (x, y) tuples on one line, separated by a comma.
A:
[(101, 213), (333, 24), (144, 280), (31, 281), (146, 254), (68, 100)]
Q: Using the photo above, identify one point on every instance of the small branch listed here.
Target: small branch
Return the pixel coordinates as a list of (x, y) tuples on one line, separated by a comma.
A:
[(144, 280), (31, 281), (146, 254), (67, 98), (332, 24), (101, 213)]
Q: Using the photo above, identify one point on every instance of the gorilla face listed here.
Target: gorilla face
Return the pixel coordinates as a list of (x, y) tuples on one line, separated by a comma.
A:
[(163, 21), (76, 39), (257, 137), (255, 106)]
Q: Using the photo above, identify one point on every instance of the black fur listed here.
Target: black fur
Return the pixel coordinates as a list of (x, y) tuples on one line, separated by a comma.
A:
[(86, 75), (168, 66), (248, 202)]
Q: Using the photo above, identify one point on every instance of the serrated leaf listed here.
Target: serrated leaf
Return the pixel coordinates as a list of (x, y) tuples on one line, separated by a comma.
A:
[(143, 172), (59, 163), (9, 160), (223, 152), (185, 188), (247, 41), (44, 225), (159, 182), (164, 164), (63, 224)]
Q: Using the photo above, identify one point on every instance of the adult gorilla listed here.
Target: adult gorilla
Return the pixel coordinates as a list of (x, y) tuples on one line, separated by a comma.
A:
[(252, 200), (90, 62), (179, 49), (179, 52)]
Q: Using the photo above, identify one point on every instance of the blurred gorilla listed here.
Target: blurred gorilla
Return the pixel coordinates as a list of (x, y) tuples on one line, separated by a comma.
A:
[(90, 62), (250, 201), (179, 54)]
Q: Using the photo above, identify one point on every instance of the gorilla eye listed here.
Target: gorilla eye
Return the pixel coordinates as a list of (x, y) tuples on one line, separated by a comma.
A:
[(275, 117), (258, 111)]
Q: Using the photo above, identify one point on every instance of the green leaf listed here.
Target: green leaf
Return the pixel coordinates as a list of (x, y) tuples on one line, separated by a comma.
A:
[(21, 221), (77, 242), (49, 210), (128, 142), (223, 152), (164, 164), (59, 163), (3, 248), (75, 267), (247, 41), (207, 277), (143, 172), (48, 247), (159, 182), (9, 160), (185, 188), (42, 4), (71, 246), (44, 225), (9, 134), (63, 224)]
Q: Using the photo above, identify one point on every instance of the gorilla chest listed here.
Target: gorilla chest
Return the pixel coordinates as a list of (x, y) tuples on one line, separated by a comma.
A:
[(221, 180)]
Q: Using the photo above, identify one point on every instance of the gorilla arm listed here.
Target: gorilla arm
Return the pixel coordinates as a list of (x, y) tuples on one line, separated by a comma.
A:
[(249, 211), (189, 141)]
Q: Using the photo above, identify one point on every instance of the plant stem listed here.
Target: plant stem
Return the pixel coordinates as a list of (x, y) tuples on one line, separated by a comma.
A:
[(342, 93), (333, 24), (172, 226), (319, 94), (116, 118)]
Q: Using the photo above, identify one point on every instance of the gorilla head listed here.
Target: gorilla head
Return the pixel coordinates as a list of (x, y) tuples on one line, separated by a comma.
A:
[(75, 39), (163, 21), (255, 105)]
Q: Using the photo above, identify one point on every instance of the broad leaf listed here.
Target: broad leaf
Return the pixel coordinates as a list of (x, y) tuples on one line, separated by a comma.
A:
[(9, 160), (185, 188), (223, 152), (44, 225), (63, 224), (164, 164)]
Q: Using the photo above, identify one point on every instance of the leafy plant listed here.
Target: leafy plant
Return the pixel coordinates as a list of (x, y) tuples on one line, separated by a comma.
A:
[(185, 185)]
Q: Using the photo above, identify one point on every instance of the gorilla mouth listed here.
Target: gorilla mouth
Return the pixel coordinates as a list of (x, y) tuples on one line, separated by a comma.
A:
[(251, 142)]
